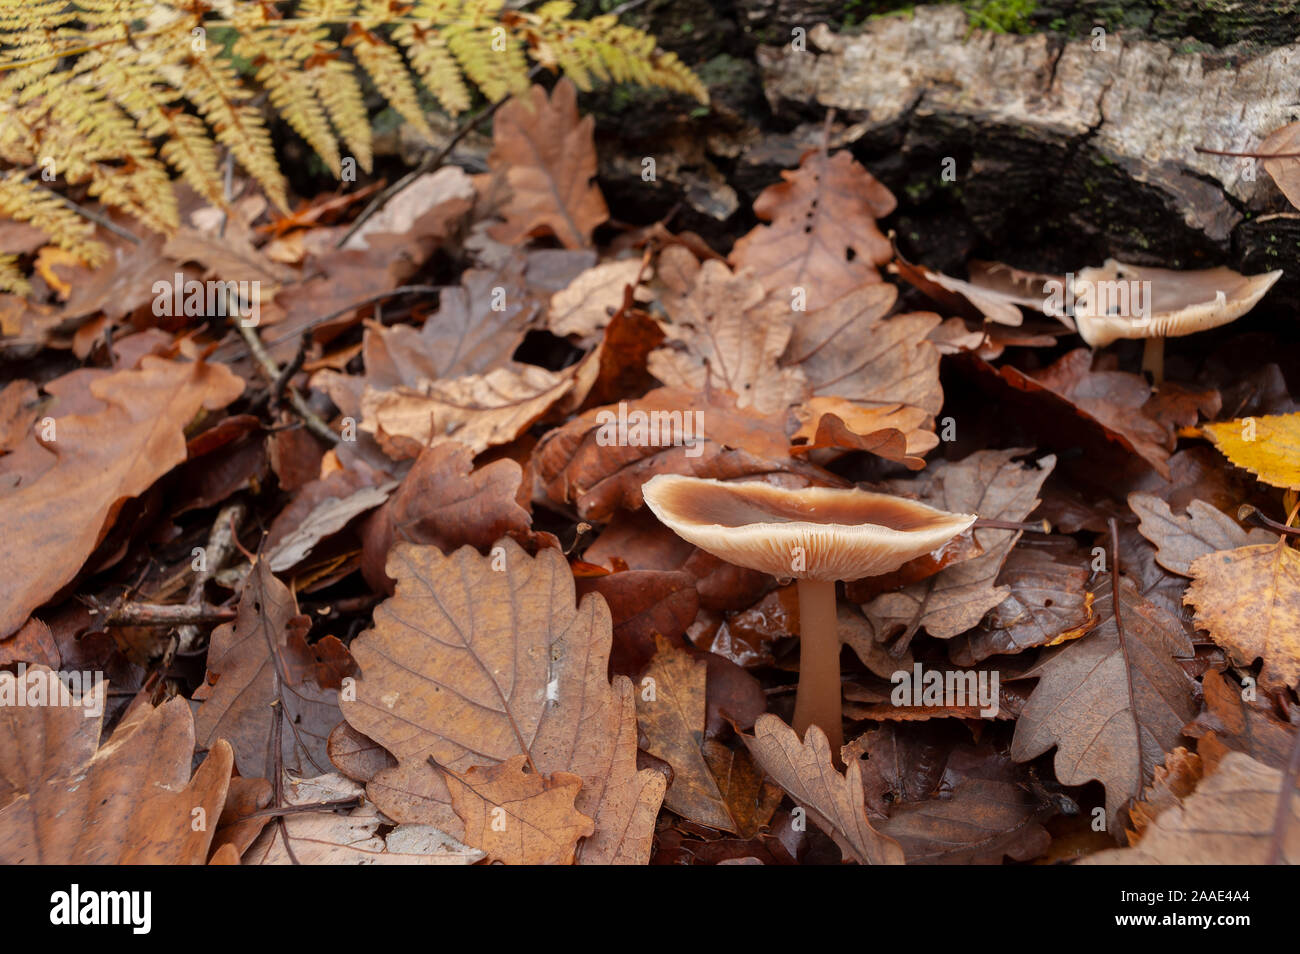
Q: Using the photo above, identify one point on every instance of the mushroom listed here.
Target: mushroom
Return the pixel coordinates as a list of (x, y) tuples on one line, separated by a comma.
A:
[(1119, 300), (816, 535)]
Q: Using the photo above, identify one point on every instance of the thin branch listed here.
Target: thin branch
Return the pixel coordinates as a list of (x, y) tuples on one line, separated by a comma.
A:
[(166, 614), (1248, 514), (271, 370)]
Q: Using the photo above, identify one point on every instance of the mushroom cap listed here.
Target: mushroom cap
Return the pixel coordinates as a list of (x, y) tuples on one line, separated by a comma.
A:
[(841, 534), (1182, 302)]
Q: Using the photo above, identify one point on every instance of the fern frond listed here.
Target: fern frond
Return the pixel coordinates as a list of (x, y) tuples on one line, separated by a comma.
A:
[(11, 279), (26, 201), (213, 87), (491, 55), (387, 70), (432, 61)]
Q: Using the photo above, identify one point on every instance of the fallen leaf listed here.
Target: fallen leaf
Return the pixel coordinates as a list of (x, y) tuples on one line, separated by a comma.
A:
[(834, 800), (132, 801), (1285, 172), (1248, 600), (670, 713), (1112, 706), (823, 239), (101, 458), (1049, 603), (1231, 819), (478, 410), (519, 817), (954, 600), (1230, 721), (259, 658), (471, 667), (349, 837), (1182, 539), (723, 333), (547, 157), (1267, 446), (584, 307), (585, 464)]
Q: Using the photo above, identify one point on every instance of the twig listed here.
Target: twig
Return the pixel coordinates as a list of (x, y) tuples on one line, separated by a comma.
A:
[(428, 164), (337, 804), (290, 369), (215, 554), (98, 219), (272, 372), (165, 614), (1247, 155), (1248, 514)]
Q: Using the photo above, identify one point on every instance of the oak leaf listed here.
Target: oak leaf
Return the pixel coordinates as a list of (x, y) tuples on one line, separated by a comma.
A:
[(834, 801), (260, 668), (478, 410), (349, 837), (1182, 539), (547, 157), (132, 801), (1112, 704), (823, 236), (519, 817), (101, 457), (1231, 819), (1231, 722), (724, 333), (585, 464), (470, 666), (1248, 600)]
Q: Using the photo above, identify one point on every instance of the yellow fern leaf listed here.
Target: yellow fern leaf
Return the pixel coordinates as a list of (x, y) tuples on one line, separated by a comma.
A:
[(11, 279), (26, 201), (388, 72)]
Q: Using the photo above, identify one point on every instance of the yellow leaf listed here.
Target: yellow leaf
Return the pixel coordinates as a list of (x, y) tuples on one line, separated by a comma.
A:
[(1248, 599), (1268, 446)]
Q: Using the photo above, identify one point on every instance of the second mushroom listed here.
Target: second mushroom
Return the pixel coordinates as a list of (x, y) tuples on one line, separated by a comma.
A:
[(815, 535)]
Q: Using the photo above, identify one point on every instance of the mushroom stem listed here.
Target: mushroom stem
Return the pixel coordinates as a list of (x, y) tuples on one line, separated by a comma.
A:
[(818, 699), (1153, 359)]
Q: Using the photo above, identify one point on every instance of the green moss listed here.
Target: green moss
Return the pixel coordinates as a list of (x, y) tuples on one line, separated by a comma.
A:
[(1001, 16)]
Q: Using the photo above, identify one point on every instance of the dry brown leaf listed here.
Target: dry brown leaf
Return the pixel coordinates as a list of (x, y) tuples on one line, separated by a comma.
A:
[(1111, 399), (725, 334), (477, 410), (1171, 783), (262, 650), (751, 798), (583, 464), (670, 710), (584, 307), (1229, 820), (1049, 603), (100, 458), (1285, 172), (471, 665), (444, 501), (823, 237), (953, 601), (1113, 708), (1232, 722), (547, 157), (518, 817), (894, 432), (324, 520), (1248, 600), (833, 800), (349, 837), (1182, 539), (131, 802)]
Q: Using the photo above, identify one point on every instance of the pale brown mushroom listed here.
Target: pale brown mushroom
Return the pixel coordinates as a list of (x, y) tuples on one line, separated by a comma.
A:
[(1180, 303), (815, 535)]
